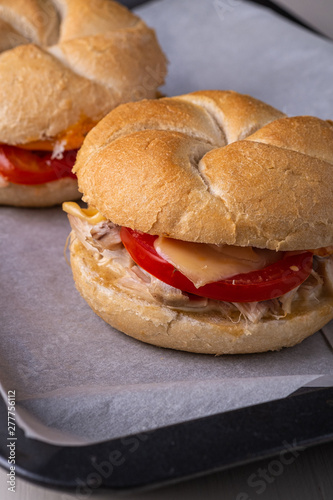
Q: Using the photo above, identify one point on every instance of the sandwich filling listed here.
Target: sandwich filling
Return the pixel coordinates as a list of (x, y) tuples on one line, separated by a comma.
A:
[(20, 166), (109, 250), (38, 162)]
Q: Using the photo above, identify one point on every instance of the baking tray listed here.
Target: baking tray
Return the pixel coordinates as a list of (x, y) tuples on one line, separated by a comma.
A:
[(179, 451), (266, 3)]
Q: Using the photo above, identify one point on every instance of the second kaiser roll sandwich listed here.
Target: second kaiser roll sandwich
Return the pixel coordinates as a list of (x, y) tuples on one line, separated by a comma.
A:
[(64, 64), (210, 223)]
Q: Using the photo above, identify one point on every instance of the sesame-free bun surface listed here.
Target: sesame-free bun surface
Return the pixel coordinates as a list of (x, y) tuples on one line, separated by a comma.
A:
[(39, 195), (67, 60), (214, 167), (194, 332)]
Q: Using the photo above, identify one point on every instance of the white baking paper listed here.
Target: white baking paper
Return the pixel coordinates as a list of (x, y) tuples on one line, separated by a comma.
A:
[(77, 379)]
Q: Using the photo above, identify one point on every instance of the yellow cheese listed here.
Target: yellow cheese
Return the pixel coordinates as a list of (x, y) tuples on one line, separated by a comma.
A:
[(91, 215), (72, 137), (202, 263)]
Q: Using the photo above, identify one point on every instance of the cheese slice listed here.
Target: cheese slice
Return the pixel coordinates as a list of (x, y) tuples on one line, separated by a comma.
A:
[(72, 138), (203, 263), (91, 215)]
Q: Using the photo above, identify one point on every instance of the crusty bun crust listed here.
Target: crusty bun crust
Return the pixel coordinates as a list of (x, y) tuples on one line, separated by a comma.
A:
[(39, 195), (194, 332), (214, 167), (65, 60)]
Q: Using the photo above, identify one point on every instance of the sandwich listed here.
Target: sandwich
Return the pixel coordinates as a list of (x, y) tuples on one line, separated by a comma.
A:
[(209, 225), (63, 66)]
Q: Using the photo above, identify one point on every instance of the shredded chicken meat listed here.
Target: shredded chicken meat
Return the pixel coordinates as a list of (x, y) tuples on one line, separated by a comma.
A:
[(104, 240)]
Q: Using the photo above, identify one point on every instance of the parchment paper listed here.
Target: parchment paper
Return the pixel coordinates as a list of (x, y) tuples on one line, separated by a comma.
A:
[(77, 379)]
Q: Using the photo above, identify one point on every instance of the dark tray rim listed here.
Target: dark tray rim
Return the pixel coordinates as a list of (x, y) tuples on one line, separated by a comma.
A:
[(176, 452)]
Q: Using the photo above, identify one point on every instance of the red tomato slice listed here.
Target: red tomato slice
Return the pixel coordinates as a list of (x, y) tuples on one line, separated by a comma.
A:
[(267, 283), (21, 166)]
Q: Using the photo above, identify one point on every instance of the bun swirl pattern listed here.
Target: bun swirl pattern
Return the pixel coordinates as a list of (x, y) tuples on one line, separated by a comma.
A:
[(214, 167), (63, 61)]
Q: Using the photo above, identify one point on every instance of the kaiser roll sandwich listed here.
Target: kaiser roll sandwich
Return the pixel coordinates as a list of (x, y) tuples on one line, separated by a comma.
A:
[(64, 64), (210, 223)]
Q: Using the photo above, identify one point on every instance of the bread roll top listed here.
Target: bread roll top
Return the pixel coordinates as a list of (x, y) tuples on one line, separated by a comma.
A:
[(63, 61), (213, 167)]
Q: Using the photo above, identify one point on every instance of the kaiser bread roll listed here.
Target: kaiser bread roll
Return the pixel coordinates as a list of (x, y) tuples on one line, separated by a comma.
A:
[(209, 140), (66, 64), (215, 168)]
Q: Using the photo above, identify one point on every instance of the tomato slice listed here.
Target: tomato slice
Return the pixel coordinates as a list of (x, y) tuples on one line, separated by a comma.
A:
[(267, 283), (21, 166)]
